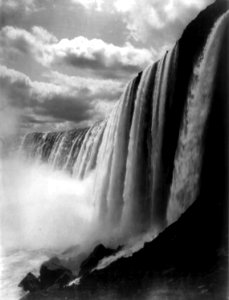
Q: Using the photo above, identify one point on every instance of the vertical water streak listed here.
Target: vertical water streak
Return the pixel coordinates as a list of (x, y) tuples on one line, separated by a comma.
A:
[(40, 147), (87, 148), (58, 151), (163, 91), (118, 165), (74, 149), (31, 146), (104, 159), (91, 163), (184, 188), (48, 146), (136, 211), (55, 149)]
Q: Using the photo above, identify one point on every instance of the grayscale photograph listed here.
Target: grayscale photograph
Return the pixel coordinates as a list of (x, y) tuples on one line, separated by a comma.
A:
[(114, 149)]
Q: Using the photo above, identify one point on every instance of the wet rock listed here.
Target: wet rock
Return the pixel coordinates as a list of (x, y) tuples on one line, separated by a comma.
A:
[(30, 283), (64, 279), (52, 275), (52, 272), (96, 255)]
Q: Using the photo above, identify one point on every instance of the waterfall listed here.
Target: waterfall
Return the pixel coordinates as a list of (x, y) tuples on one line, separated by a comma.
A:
[(129, 152), (184, 187), (58, 149), (88, 151)]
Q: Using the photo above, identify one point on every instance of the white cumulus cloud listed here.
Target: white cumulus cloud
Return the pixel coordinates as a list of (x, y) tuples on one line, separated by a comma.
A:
[(106, 59), (88, 4), (156, 21)]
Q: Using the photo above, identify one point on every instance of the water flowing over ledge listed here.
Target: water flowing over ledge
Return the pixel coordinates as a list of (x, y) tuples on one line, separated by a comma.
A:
[(148, 160), (141, 183)]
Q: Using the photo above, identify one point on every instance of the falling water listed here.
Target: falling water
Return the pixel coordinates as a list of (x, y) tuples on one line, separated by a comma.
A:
[(131, 189), (184, 187), (138, 184)]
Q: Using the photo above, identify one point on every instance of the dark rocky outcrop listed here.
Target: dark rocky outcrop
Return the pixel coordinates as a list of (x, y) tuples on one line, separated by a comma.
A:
[(30, 283), (96, 255), (53, 272)]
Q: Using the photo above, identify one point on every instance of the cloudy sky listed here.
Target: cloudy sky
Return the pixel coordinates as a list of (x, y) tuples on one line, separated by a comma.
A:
[(64, 63)]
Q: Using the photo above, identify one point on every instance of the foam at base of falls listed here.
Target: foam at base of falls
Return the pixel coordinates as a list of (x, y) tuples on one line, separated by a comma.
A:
[(44, 208)]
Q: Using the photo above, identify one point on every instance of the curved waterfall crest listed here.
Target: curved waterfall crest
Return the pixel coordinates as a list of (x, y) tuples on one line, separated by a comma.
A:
[(135, 188)]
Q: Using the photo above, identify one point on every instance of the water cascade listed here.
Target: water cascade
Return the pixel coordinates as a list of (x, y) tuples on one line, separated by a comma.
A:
[(147, 156)]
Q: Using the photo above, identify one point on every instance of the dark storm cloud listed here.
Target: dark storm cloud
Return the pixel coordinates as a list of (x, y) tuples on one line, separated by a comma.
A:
[(66, 108), (68, 98), (97, 65)]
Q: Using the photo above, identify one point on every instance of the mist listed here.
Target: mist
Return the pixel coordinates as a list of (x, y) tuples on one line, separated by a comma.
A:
[(43, 208)]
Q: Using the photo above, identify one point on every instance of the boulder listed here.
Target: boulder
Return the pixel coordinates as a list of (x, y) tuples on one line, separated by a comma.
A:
[(96, 255), (30, 283), (53, 272)]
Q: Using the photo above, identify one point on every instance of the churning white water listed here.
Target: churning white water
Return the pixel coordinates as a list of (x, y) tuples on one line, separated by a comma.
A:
[(43, 212), (42, 207)]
